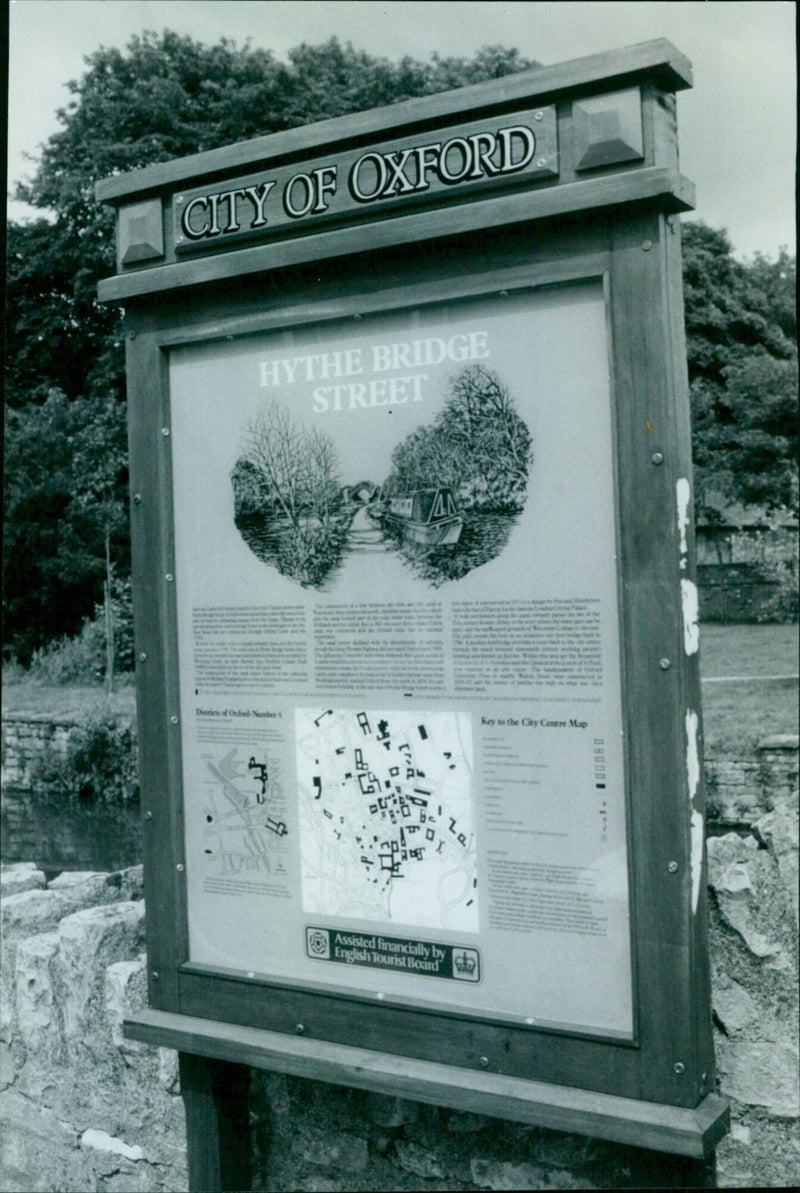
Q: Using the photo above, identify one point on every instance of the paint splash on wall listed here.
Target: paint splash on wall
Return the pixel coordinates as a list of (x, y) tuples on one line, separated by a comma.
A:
[(693, 778), (684, 495), (691, 630)]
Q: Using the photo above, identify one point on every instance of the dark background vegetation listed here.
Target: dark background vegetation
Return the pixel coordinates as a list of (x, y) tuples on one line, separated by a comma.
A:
[(66, 547)]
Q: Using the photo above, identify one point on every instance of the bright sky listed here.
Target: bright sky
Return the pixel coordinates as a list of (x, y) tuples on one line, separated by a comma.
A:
[(737, 126)]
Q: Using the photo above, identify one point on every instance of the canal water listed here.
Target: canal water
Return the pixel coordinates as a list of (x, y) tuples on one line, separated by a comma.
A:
[(60, 835)]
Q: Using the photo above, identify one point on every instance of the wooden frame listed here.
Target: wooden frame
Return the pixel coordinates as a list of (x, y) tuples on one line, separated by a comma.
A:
[(620, 226)]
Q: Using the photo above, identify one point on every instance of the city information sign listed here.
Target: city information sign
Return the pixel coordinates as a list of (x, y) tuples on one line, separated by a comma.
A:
[(416, 619)]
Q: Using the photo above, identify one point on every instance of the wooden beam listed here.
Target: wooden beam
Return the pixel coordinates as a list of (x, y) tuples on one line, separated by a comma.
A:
[(687, 1132), (658, 58), (653, 184)]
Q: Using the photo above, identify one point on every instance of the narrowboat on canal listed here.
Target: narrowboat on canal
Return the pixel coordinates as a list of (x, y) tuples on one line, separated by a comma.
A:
[(427, 516)]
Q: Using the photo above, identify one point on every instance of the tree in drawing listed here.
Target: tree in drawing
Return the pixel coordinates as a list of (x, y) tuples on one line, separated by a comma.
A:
[(287, 469), (486, 434), (287, 496), (478, 446), (480, 449)]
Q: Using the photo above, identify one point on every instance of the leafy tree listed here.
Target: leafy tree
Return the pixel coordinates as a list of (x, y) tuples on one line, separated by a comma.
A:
[(742, 372), (778, 281), (164, 96), (55, 532), (756, 454), (99, 463)]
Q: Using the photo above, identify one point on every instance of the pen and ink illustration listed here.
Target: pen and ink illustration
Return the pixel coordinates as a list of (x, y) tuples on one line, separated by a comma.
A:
[(455, 489)]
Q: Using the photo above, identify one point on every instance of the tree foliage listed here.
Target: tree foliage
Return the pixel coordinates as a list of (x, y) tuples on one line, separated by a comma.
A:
[(166, 96), (478, 446), (742, 352), (64, 485), (163, 96)]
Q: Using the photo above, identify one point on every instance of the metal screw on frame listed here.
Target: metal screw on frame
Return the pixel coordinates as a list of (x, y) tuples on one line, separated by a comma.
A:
[(180, 867), (148, 815), (672, 867), (299, 1029), (484, 1062), (664, 664), (657, 458), (165, 432), (173, 720), (646, 246), (169, 577), (142, 656), (679, 1067)]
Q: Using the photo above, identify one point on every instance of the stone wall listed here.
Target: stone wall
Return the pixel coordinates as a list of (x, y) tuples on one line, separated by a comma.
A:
[(82, 1109), (25, 738), (753, 881), (739, 790), (85, 1110), (735, 592)]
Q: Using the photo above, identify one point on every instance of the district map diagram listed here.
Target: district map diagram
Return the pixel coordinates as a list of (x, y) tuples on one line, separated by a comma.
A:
[(385, 816), (245, 822)]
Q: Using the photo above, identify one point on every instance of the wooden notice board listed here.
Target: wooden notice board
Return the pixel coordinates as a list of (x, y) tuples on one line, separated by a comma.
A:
[(416, 621)]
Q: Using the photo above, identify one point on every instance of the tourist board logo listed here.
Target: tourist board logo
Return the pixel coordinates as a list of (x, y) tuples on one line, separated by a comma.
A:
[(400, 954), (317, 944)]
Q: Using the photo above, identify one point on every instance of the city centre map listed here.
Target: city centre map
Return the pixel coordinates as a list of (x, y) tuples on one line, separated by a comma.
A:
[(386, 818)]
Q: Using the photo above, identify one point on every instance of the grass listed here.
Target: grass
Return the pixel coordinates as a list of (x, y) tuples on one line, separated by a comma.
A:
[(748, 650), (736, 715), (21, 694)]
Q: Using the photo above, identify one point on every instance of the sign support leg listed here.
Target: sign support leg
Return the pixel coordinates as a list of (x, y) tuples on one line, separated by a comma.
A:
[(215, 1098)]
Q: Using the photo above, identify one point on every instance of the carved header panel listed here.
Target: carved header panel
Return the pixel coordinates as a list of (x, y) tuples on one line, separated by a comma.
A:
[(434, 167)]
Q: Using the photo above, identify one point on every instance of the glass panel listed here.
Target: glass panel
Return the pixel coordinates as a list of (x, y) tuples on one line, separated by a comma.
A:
[(400, 660)]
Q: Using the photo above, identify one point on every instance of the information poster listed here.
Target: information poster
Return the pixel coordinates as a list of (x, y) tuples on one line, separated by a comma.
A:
[(399, 658)]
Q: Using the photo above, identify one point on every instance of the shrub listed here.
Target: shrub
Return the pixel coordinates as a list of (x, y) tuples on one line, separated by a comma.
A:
[(13, 671), (82, 659), (784, 606), (72, 660), (99, 764)]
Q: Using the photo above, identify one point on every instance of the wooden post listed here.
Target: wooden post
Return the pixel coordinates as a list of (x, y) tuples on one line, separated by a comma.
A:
[(215, 1098)]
